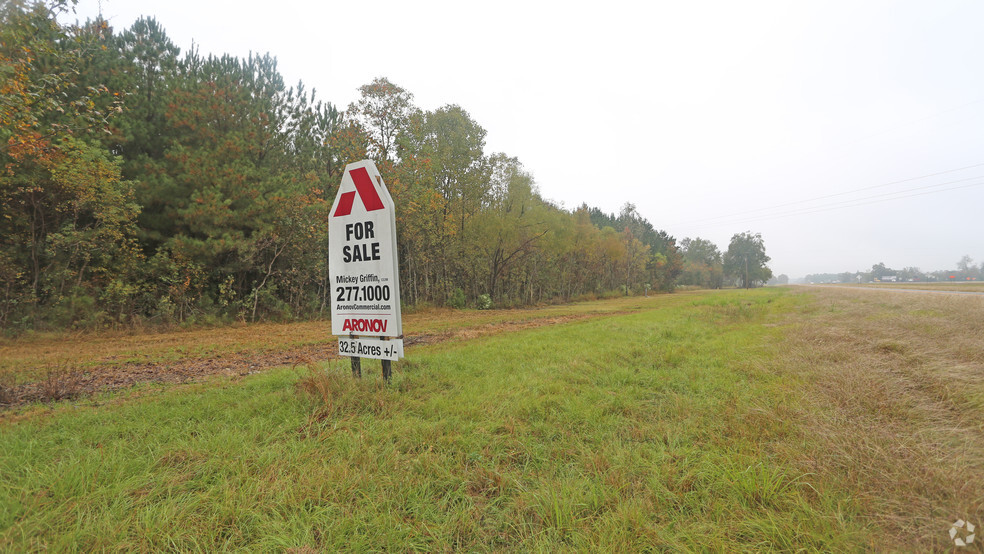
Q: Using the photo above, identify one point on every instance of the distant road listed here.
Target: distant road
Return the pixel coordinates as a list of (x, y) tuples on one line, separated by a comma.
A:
[(895, 289)]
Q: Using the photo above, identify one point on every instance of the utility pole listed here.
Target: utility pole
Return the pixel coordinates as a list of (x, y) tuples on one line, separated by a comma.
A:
[(746, 271)]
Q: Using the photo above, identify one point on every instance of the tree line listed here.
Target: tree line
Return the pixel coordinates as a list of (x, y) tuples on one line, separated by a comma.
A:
[(965, 270), (143, 184)]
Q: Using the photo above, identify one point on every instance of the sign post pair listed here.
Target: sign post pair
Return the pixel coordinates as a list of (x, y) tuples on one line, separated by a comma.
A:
[(364, 270)]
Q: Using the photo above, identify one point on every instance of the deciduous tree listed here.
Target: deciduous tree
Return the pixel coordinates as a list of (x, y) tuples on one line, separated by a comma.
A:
[(384, 111), (703, 265), (745, 261)]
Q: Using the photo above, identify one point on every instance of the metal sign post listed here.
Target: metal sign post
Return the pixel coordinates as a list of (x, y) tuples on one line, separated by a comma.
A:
[(364, 269)]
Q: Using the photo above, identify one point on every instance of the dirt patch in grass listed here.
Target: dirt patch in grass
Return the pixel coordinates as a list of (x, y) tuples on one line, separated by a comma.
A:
[(70, 378)]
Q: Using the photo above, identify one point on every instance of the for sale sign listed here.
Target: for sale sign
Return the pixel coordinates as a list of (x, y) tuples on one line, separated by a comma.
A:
[(362, 258)]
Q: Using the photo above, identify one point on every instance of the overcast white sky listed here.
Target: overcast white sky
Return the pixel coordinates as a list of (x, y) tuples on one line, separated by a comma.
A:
[(703, 114)]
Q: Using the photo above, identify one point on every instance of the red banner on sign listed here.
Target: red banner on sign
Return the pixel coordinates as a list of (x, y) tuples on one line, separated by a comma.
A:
[(367, 192)]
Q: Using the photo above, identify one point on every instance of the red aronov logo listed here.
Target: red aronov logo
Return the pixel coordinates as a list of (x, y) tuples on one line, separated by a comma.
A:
[(367, 192), (365, 325)]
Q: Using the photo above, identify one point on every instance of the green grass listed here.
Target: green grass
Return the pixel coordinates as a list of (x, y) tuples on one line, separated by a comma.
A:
[(668, 428)]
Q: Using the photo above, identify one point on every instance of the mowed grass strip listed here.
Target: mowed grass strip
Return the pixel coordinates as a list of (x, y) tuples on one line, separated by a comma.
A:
[(895, 410), (672, 428)]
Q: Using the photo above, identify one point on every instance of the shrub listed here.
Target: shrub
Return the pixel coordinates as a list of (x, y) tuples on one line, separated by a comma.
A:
[(457, 299)]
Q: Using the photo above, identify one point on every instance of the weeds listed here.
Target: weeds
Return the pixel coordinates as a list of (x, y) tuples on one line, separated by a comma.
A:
[(56, 384), (62, 383), (337, 395), (7, 394)]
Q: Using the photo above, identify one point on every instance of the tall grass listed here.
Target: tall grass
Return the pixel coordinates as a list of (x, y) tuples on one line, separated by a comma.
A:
[(696, 422)]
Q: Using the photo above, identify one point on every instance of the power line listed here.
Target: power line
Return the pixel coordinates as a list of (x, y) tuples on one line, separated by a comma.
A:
[(826, 196), (875, 199), (882, 195)]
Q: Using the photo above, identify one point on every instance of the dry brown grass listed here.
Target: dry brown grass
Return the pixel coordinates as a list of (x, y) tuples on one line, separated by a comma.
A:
[(60, 384), (103, 361), (32, 355), (7, 387), (35, 354), (897, 411)]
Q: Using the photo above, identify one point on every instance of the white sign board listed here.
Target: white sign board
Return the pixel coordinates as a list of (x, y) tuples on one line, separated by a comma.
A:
[(362, 257), (380, 349)]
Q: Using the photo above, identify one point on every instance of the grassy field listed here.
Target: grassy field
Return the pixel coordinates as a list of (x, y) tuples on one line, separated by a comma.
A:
[(31, 357), (826, 419)]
